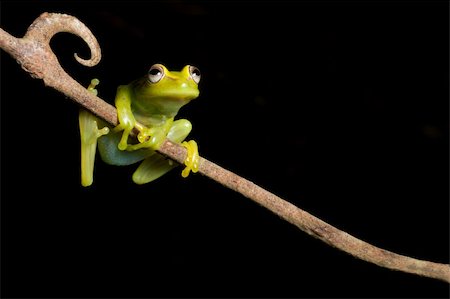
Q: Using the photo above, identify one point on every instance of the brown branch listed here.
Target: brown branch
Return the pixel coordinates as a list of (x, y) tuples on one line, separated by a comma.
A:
[(35, 56)]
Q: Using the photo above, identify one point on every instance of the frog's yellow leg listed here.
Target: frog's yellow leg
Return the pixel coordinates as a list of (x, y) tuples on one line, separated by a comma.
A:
[(157, 165), (89, 133), (124, 114), (152, 168)]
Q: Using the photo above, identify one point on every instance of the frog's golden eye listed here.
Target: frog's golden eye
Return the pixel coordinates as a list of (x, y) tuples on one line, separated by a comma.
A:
[(195, 73), (155, 73)]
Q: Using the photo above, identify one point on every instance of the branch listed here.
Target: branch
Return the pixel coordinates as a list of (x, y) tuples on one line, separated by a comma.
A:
[(34, 54)]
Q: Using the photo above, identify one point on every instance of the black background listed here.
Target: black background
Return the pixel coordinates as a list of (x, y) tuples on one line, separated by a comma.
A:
[(341, 108)]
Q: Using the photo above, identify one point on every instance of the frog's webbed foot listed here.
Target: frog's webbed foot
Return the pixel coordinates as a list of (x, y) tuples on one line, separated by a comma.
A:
[(192, 158), (89, 133)]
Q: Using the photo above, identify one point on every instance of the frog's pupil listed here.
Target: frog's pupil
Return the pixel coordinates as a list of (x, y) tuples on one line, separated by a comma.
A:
[(154, 72)]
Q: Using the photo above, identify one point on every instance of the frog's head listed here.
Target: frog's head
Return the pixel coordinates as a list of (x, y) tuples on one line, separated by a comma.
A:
[(164, 84)]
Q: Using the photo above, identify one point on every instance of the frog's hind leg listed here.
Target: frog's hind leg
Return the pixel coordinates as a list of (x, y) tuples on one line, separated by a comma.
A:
[(157, 165), (89, 133)]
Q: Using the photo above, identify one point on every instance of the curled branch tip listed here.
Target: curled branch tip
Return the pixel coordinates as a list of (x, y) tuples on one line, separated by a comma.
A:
[(49, 24)]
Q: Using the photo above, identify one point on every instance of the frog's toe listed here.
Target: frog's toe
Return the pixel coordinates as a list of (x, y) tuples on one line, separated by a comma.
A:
[(102, 131), (91, 87), (192, 158)]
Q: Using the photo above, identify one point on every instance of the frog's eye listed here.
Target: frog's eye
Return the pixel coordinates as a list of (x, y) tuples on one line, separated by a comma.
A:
[(195, 73), (155, 73)]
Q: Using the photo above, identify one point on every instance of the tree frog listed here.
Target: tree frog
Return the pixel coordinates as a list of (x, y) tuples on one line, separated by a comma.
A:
[(148, 104)]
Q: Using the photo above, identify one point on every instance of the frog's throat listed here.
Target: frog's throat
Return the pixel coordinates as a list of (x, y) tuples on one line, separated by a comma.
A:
[(152, 112)]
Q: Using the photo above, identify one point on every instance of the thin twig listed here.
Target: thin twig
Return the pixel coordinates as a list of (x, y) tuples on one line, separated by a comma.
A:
[(34, 54)]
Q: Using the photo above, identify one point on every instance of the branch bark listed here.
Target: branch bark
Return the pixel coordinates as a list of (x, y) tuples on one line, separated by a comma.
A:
[(34, 54)]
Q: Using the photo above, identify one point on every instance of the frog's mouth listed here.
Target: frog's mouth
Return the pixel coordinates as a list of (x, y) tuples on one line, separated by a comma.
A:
[(181, 95), (166, 105)]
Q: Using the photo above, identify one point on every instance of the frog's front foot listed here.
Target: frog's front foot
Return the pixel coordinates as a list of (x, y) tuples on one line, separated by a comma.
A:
[(148, 138), (192, 158), (126, 126), (152, 138)]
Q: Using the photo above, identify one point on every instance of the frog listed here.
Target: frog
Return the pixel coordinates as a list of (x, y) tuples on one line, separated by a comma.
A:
[(147, 105)]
